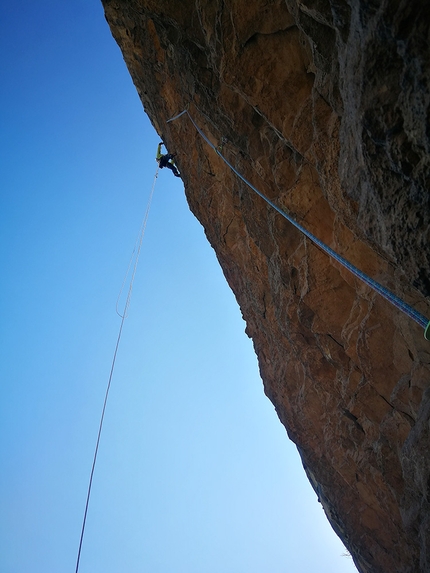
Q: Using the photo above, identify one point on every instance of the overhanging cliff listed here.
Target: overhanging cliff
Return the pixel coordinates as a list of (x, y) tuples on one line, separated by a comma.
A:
[(324, 105)]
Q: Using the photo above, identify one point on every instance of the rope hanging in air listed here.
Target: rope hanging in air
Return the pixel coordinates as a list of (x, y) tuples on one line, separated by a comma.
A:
[(135, 256), (384, 292)]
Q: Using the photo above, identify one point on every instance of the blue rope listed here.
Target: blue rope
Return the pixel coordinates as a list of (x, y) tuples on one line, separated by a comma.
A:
[(384, 292)]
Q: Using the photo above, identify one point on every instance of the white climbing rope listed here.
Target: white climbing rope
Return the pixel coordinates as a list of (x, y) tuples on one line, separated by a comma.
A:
[(135, 256)]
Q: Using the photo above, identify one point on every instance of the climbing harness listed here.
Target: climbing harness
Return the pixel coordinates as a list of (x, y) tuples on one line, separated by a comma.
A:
[(384, 292), (135, 256)]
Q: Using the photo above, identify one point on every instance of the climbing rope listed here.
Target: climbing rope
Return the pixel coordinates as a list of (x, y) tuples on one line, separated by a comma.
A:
[(136, 253), (384, 292), (135, 256)]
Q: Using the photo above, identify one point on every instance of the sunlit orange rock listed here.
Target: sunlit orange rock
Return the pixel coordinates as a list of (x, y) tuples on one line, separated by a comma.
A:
[(325, 107)]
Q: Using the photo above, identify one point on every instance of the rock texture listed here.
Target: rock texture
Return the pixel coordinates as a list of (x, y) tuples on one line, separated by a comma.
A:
[(325, 107)]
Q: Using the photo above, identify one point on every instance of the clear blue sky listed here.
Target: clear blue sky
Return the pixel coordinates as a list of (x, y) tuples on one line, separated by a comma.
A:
[(195, 473)]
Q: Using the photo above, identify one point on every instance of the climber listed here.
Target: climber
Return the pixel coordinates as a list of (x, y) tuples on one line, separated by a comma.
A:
[(166, 160)]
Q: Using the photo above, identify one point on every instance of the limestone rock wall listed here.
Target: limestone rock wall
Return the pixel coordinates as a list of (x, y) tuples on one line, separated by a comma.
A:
[(324, 105)]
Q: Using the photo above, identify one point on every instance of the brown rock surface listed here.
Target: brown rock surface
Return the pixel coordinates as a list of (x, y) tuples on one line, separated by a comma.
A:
[(325, 106)]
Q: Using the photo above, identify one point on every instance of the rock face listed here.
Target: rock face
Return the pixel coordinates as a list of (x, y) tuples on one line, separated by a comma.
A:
[(325, 108)]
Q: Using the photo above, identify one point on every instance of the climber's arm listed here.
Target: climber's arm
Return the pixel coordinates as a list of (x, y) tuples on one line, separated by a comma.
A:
[(159, 154)]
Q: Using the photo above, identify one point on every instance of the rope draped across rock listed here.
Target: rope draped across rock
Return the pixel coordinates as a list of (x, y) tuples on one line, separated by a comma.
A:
[(383, 291)]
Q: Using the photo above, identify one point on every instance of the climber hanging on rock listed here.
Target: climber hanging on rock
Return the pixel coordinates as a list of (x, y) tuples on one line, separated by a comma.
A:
[(166, 160)]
